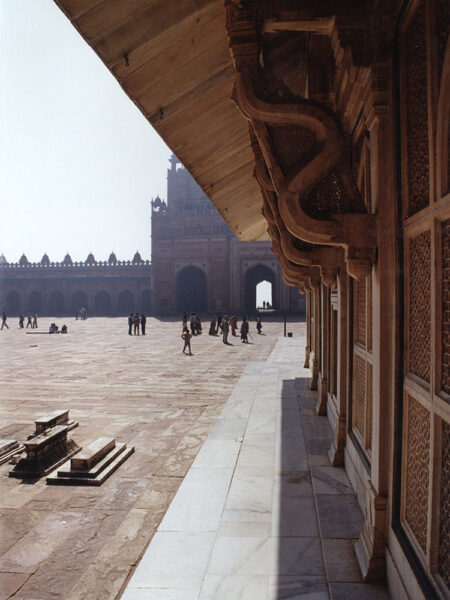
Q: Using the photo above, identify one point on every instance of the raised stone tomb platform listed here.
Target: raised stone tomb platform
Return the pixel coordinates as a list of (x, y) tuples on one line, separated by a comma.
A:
[(45, 452), (93, 465), (57, 417)]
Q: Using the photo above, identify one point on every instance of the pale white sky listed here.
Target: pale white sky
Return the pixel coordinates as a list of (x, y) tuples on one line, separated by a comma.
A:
[(78, 161)]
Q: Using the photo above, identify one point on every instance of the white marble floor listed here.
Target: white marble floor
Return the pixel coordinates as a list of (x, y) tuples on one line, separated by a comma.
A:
[(261, 514)]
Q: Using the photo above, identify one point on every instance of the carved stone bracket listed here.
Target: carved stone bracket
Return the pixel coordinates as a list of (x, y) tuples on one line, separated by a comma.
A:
[(312, 197)]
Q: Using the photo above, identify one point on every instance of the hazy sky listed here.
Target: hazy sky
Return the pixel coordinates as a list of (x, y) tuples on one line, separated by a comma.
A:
[(78, 161)]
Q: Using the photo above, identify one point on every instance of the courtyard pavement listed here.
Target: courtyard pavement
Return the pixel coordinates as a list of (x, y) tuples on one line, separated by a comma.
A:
[(261, 514), (80, 543)]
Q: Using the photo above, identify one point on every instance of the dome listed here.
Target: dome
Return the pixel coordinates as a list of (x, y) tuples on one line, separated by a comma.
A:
[(3, 260), (90, 259), (157, 202), (45, 259), (112, 259), (67, 260), (23, 261), (137, 258)]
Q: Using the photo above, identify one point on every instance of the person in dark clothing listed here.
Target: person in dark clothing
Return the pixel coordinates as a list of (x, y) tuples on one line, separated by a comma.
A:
[(136, 324), (258, 323), (244, 331), (219, 322), (143, 323), (4, 319), (130, 323), (21, 320)]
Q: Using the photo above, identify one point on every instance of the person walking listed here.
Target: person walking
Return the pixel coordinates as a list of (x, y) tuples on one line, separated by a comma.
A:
[(29, 321), (212, 326), (186, 336), (130, 323), (258, 323), (136, 323), (233, 324), (244, 331), (35, 325), (4, 319), (143, 323), (225, 329), (21, 320), (219, 322)]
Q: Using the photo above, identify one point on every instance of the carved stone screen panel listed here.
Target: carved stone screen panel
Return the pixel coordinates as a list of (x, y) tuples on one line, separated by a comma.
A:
[(359, 312), (417, 470), (420, 305), (359, 394), (416, 103), (444, 524), (445, 382)]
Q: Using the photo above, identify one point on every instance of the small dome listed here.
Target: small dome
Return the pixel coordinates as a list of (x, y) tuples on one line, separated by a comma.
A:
[(45, 259), (68, 260), (137, 258), (90, 259), (23, 261), (157, 202), (3, 260), (112, 259)]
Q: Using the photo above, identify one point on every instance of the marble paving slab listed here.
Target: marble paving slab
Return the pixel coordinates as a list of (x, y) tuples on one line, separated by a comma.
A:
[(261, 514)]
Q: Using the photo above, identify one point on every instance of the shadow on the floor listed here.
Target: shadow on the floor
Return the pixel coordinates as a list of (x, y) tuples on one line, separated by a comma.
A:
[(319, 518)]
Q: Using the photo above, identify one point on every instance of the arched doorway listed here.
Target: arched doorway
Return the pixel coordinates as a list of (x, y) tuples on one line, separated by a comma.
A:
[(191, 290), (102, 303), (79, 300), (253, 277), (13, 303), (146, 302), (126, 302), (56, 304), (35, 303), (264, 294)]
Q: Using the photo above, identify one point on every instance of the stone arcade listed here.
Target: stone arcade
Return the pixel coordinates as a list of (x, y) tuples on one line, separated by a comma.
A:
[(341, 111)]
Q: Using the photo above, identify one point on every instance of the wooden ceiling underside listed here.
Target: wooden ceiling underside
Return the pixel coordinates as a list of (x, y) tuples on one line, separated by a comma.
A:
[(172, 59)]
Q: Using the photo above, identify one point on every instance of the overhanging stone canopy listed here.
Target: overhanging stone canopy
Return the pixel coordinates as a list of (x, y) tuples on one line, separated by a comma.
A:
[(181, 63)]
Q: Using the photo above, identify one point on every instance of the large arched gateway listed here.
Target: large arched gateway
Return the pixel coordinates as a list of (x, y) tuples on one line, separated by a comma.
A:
[(191, 290), (256, 275)]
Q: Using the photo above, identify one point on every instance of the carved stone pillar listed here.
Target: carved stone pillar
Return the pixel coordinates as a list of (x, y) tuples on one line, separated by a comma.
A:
[(308, 330), (321, 407), (370, 548), (336, 452), (315, 349)]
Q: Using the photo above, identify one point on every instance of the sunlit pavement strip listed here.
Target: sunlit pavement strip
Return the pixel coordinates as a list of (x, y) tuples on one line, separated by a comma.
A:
[(249, 519)]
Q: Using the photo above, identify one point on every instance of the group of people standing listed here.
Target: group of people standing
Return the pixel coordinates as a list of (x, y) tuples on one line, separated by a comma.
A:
[(218, 326), (136, 324), (32, 321)]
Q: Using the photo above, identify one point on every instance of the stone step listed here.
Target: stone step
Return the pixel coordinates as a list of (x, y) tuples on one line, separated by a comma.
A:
[(91, 455), (95, 470), (8, 448), (59, 477)]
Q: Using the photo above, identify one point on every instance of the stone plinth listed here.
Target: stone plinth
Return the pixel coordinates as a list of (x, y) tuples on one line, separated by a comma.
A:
[(45, 452), (8, 448), (93, 465), (57, 417)]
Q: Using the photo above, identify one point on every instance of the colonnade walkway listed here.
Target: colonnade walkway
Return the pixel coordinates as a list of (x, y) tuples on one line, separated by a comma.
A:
[(261, 514)]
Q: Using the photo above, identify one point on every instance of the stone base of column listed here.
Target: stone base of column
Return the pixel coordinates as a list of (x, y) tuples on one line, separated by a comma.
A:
[(336, 453), (370, 548), (307, 353), (321, 406), (314, 368)]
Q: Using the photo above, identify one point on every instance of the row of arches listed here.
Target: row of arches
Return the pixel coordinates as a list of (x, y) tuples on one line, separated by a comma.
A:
[(103, 303), (191, 289)]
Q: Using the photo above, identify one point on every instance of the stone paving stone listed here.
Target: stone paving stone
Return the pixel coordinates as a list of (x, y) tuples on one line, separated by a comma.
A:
[(139, 390)]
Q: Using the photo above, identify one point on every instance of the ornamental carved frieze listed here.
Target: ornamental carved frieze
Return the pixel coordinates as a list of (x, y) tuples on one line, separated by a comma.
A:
[(302, 162)]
